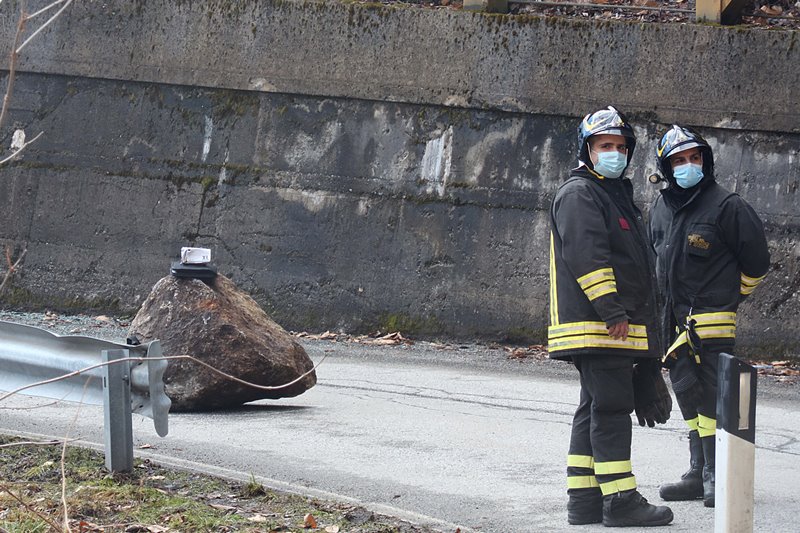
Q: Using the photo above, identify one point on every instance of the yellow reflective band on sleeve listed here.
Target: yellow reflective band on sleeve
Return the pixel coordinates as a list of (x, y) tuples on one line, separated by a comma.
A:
[(580, 461), (593, 278), (598, 283), (692, 423), (706, 426), (601, 289), (612, 467), (574, 335), (553, 287), (582, 482), (748, 284), (619, 485)]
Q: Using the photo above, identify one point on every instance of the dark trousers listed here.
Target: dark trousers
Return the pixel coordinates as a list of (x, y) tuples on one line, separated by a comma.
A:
[(703, 416), (600, 444)]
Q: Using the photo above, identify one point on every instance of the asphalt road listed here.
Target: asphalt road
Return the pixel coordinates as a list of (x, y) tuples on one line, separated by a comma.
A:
[(448, 438)]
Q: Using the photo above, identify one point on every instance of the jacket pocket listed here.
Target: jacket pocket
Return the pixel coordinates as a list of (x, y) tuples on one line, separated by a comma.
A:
[(701, 240)]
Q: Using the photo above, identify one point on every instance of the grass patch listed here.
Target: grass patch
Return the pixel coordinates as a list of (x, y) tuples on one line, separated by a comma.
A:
[(153, 498)]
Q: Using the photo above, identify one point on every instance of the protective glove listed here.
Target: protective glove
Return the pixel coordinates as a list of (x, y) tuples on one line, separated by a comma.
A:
[(651, 398), (685, 383)]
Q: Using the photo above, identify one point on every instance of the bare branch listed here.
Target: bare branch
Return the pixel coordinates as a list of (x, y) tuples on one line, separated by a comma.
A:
[(54, 4), (64, 464), (21, 148), (12, 63), (43, 26), (32, 443), (165, 358), (11, 268)]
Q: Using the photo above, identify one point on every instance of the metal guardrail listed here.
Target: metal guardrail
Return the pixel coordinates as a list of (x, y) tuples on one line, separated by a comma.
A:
[(51, 365)]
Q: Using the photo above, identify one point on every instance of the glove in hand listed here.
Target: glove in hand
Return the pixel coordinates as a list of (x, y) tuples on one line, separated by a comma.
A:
[(651, 398)]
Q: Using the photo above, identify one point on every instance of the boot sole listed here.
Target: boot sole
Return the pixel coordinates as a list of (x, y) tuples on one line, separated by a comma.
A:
[(681, 498), (631, 523), (584, 521)]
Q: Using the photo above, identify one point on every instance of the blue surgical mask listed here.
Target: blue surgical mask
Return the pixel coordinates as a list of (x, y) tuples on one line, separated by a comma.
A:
[(611, 164), (688, 175)]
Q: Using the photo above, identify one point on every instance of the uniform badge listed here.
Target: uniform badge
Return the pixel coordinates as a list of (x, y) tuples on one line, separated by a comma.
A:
[(624, 224), (698, 241)]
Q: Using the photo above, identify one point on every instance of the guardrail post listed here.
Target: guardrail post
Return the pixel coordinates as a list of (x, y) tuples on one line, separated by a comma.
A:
[(735, 452), (118, 425), (726, 12)]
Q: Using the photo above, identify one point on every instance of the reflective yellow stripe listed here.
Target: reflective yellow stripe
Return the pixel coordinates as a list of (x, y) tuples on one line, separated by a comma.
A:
[(706, 422), (706, 426), (748, 284), (612, 467), (592, 278), (706, 432), (598, 283), (574, 335), (692, 423), (553, 288), (594, 341), (720, 325), (746, 290), (582, 482), (716, 332), (601, 289), (679, 341), (580, 461), (577, 328), (619, 485), (747, 280), (721, 317)]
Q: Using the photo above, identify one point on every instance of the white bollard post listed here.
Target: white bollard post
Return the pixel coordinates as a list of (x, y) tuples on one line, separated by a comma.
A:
[(735, 452)]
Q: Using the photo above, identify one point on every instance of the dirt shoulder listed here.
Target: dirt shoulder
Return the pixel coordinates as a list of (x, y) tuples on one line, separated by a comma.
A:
[(153, 499)]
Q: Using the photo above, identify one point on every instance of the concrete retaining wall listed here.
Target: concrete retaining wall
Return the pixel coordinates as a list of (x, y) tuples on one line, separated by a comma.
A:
[(359, 168)]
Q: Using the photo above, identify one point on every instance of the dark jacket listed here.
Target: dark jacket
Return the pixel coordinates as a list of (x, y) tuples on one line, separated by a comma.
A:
[(601, 270), (712, 253)]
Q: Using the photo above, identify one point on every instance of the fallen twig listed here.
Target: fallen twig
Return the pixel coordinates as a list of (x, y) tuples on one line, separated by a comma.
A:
[(52, 524)]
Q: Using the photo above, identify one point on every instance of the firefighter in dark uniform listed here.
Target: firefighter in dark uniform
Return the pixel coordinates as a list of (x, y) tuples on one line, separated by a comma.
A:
[(603, 319), (712, 253)]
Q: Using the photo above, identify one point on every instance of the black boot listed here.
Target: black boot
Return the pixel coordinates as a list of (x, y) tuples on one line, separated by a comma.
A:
[(585, 506), (629, 508), (709, 474), (690, 487)]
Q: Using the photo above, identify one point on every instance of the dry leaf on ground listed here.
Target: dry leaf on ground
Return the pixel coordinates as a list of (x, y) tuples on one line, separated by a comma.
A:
[(309, 522)]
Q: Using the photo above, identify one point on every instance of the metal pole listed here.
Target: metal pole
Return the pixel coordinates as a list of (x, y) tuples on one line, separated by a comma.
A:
[(117, 412), (735, 452)]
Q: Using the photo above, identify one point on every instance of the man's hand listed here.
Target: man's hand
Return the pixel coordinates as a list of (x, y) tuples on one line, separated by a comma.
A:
[(619, 330)]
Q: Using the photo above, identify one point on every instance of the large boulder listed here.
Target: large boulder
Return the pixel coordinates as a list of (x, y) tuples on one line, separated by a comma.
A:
[(222, 326)]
